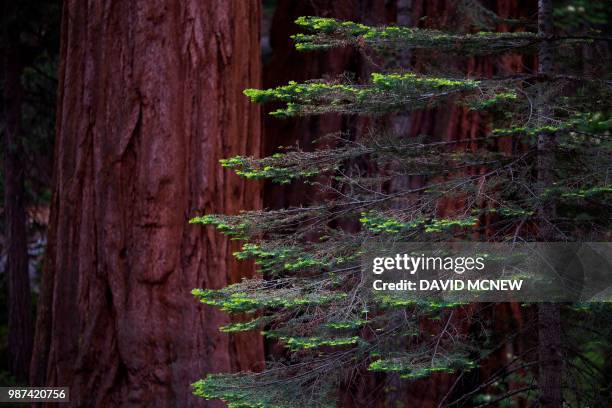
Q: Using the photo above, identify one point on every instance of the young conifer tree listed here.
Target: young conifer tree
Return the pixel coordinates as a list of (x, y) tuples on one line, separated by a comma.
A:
[(312, 297)]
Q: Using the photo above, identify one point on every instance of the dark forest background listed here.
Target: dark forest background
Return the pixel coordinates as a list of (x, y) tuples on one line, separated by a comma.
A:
[(113, 119)]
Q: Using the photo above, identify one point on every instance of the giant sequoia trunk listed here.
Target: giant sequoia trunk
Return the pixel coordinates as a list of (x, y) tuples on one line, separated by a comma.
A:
[(149, 101)]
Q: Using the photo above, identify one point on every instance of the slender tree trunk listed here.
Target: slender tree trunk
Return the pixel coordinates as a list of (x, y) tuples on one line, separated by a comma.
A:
[(19, 309), (397, 391), (150, 98), (549, 349), (549, 315)]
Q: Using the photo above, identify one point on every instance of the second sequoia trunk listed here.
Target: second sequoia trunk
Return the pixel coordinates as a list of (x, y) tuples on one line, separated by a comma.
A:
[(150, 98)]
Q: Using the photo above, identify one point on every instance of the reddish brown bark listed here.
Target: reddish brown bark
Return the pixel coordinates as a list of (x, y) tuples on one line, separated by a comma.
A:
[(150, 98)]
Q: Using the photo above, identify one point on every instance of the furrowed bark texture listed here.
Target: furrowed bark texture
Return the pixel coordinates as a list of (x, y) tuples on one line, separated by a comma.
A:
[(19, 306), (150, 98), (550, 376)]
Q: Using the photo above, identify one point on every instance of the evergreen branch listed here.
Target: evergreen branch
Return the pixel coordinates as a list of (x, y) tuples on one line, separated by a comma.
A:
[(385, 93), (331, 33)]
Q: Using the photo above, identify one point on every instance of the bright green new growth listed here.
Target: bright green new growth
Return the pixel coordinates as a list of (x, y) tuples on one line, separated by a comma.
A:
[(225, 225), (226, 388), (409, 91), (330, 33), (380, 224), (243, 391), (415, 367), (277, 260), (495, 100), (277, 174), (284, 167), (249, 325), (232, 299), (347, 325), (593, 123), (305, 343)]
